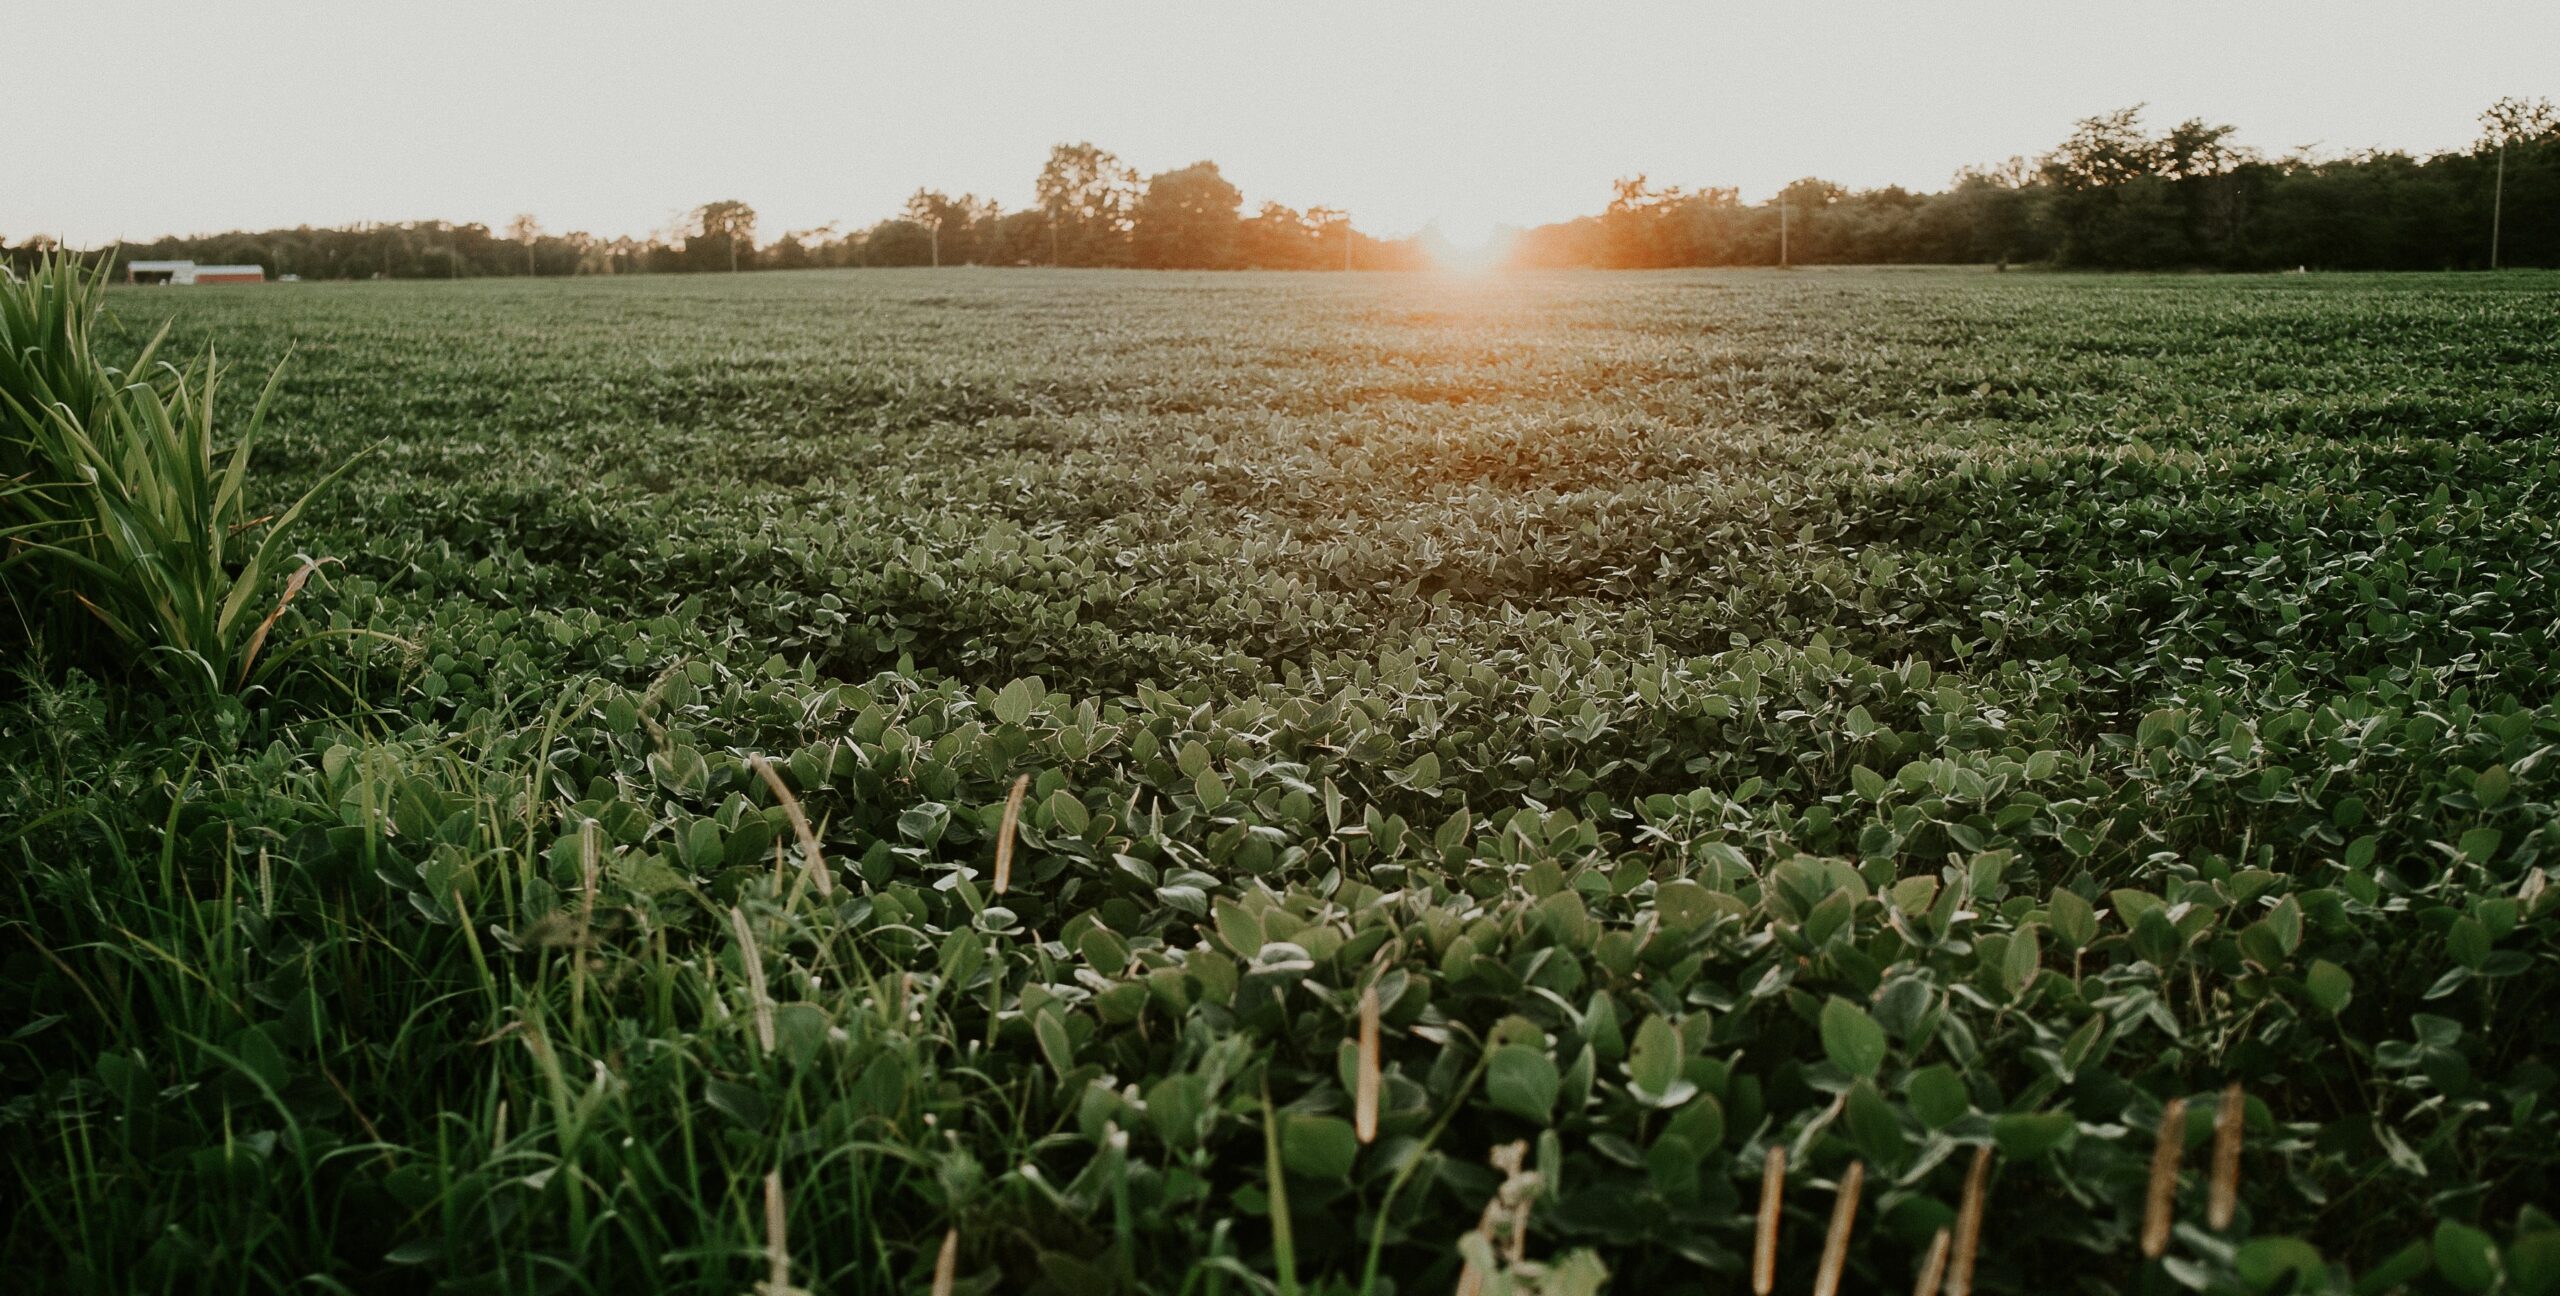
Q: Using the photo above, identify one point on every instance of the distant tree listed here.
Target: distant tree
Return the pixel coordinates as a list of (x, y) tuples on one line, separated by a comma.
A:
[(796, 249), (628, 255), (1279, 238), (957, 228), (2520, 140), (1804, 207), (1641, 226), (929, 209), (28, 254), (896, 243), (1015, 238), (1186, 220), (1331, 229), (2102, 151), (525, 232), (1989, 214), (1088, 195), (721, 232), (2114, 197), (2512, 119)]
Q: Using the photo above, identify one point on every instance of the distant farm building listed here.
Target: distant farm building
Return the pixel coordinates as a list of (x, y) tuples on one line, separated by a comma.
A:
[(188, 272)]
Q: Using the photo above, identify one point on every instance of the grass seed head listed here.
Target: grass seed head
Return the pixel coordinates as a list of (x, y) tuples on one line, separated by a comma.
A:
[(1364, 1107), (2160, 1200), (1844, 1216), (946, 1266), (1968, 1239), (777, 1241), (1004, 833), (2228, 1127), (1773, 1191), (799, 825), (757, 998), (1933, 1266)]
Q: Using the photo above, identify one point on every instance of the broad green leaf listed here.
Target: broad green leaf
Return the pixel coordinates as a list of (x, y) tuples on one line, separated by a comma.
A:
[(1013, 703), (2074, 923), (2533, 1263), (1175, 1106), (2278, 1264), (1523, 1081), (2157, 939), (1238, 927), (1211, 790), (1683, 904), (2480, 845), (2285, 920), (2468, 942), (2490, 787), (1852, 1039), (1424, 774), (1869, 784), (1873, 1124), (744, 1104), (2329, 986), (1938, 1096), (1700, 1124), (2159, 728), (1653, 1064), (1319, 1147), (1055, 1043), (2021, 962), (2466, 1257), (2025, 1136)]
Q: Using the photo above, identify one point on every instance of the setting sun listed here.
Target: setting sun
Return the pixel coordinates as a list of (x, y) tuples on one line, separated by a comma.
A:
[(1469, 241)]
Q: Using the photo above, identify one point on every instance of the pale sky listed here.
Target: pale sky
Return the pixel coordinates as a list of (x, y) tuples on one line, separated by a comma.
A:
[(135, 118)]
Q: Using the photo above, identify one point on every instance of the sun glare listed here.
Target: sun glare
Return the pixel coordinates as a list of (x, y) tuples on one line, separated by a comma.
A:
[(1467, 242), (1465, 230)]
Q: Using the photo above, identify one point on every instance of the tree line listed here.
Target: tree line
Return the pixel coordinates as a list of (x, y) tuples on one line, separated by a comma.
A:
[(2113, 194), (1089, 209)]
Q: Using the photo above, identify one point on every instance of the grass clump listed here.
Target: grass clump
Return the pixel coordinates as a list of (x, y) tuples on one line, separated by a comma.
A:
[(126, 514)]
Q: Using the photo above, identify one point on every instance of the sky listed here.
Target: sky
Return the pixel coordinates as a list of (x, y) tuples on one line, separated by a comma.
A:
[(193, 116)]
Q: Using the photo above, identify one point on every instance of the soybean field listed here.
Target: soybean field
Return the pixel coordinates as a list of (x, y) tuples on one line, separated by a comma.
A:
[(1114, 782)]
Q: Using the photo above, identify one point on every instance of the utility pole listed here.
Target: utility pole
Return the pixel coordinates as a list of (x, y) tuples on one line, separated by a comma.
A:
[(937, 242), (2498, 200), (1346, 241), (1782, 233)]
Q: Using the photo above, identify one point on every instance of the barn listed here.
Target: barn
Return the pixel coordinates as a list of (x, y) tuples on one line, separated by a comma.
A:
[(188, 272)]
